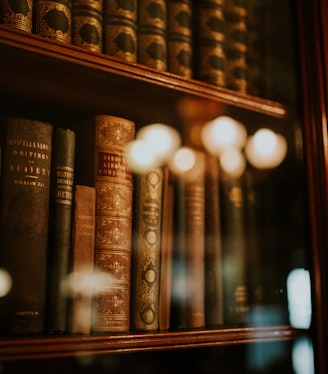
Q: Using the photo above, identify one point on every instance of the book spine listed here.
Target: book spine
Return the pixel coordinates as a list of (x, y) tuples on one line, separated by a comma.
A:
[(146, 251), (236, 45), (210, 42), (82, 260), (18, 14), (24, 223), (87, 24), (61, 198), (152, 32), (179, 37), (54, 19), (195, 247), (113, 236), (213, 245), (165, 282), (234, 246), (120, 29)]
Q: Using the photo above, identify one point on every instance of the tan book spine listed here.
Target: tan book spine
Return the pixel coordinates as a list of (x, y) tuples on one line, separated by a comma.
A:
[(82, 260), (146, 251), (113, 236), (18, 14)]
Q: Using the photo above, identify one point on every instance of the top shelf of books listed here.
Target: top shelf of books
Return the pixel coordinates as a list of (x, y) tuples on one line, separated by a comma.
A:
[(69, 76)]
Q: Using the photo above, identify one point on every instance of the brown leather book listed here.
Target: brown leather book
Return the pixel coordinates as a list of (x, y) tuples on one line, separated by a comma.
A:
[(18, 14), (146, 251), (82, 260), (113, 236), (87, 24), (59, 248), (25, 196), (53, 19)]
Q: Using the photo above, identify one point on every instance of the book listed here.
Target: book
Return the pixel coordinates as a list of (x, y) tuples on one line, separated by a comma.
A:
[(180, 37), (61, 199), (113, 230), (236, 45), (18, 14), (213, 245), (87, 24), (165, 275), (209, 26), (120, 29), (152, 33), (53, 19), (82, 260), (234, 252), (146, 251), (26, 170)]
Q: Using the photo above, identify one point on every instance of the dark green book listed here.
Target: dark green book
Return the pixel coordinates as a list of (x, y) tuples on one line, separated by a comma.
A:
[(60, 228), (25, 183)]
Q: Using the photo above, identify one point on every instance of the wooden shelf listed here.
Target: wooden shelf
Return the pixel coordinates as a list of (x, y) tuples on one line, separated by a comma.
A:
[(64, 346), (38, 68)]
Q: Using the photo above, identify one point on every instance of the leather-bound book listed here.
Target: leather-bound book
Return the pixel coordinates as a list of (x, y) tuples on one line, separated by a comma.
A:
[(18, 14), (213, 245), (53, 19), (146, 251), (82, 260), (61, 198), (113, 233), (180, 37), (87, 24), (120, 29), (209, 47), (234, 252), (25, 196), (236, 45), (152, 33)]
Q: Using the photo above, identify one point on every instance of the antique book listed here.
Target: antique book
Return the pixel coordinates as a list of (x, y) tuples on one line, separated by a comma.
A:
[(234, 251), (61, 198), (113, 230), (213, 245), (235, 16), (152, 33), (82, 260), (180, 37), (18, 14), (25, 196), (120, 29), (209, 46), (53, 19), (146, 251), (165, 275), (87, 24)]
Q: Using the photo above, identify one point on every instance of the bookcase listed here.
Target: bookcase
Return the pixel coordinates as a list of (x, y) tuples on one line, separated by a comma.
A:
[(61, 83)]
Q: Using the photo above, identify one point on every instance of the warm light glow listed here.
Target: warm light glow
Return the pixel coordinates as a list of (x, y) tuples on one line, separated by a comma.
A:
[(222, 133), (5, 282), (161, 139), (140, 156), (184, 159), (266, 149), (233, 162)]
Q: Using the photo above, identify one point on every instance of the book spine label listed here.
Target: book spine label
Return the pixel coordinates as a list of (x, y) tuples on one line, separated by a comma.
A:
[(24, 223), (61, 199), (146, 252), (18, 14), (82, 260), (87, 23), (54, 19), (113, 236)]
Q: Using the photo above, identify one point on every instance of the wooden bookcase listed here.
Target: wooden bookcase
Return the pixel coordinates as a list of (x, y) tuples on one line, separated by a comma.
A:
[(56, 81)]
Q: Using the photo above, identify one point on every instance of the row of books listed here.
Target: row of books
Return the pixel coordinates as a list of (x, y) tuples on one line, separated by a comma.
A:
[(93, 248), (215, 41)]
